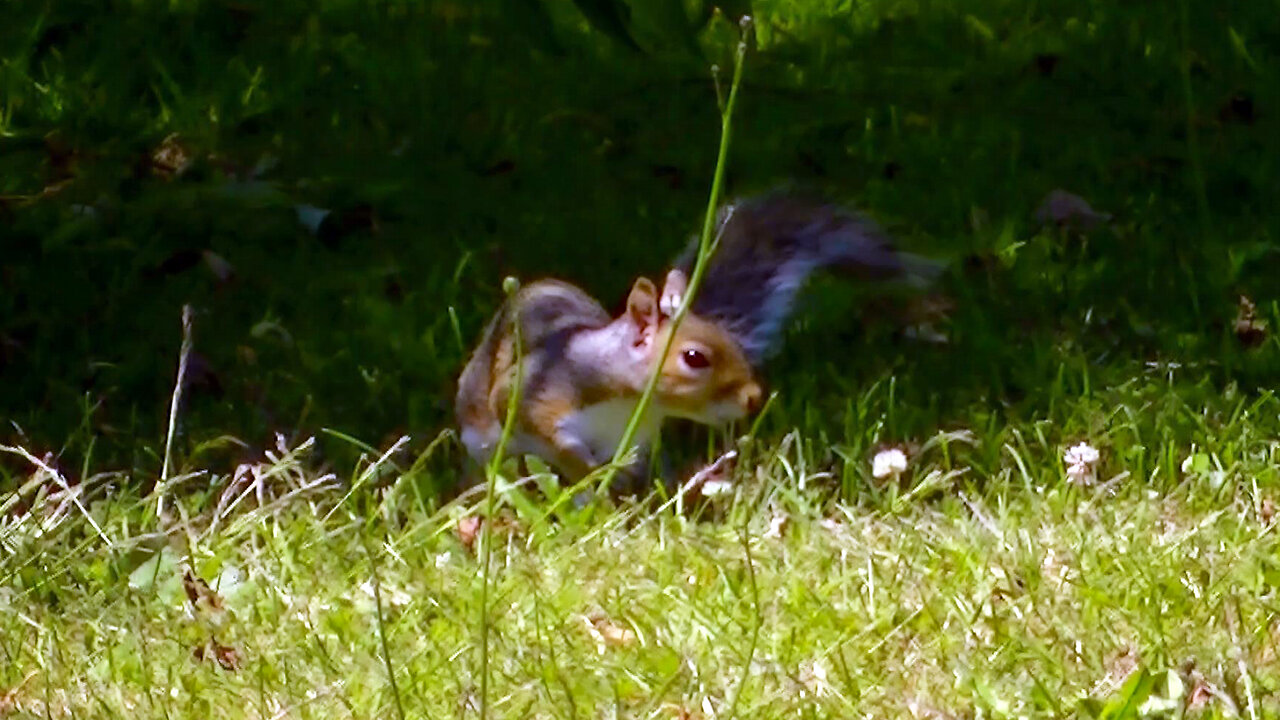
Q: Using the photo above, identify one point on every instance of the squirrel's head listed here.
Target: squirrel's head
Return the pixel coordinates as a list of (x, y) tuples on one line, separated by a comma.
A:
[(706, 377)]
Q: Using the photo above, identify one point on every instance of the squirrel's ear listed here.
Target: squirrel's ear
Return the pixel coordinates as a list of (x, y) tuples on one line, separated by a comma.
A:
[(673, 292), (642, 305)]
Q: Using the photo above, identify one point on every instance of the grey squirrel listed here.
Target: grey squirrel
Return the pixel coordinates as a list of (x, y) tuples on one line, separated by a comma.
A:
[(767, 249), (584, 371)]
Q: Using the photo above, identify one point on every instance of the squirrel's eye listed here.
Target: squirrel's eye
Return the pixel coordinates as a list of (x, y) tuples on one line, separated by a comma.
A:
[(696, 359)]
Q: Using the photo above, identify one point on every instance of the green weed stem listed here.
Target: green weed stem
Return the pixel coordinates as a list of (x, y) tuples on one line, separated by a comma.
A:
[(382, 632), (705, 250), (512, 287), (755, 623)]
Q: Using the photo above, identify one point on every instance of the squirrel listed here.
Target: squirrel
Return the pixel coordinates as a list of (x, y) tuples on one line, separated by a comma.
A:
[(583, 371), (767, 248)]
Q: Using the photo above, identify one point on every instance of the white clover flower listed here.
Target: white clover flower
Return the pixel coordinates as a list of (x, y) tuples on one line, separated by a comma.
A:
[(714, 488), (1080, 474), (1081, 461), (888, 462), (1082, 454)]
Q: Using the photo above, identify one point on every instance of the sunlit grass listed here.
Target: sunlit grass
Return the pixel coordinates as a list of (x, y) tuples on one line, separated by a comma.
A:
[(982, 584)]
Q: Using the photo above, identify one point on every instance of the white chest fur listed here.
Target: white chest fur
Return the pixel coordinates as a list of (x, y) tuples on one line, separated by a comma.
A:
[(600, 426)]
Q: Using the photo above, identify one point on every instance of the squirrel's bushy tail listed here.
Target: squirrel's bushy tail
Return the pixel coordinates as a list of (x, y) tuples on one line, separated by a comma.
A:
[(770, 245)]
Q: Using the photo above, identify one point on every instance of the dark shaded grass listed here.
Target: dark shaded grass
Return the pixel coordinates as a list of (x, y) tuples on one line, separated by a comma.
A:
[(481, 144)]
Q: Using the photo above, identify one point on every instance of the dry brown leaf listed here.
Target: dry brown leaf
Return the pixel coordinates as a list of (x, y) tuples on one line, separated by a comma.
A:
[(9, 698), (226, 656), (202, 597), (1250, 331), (610, 632), (1269, 651), (170, 159), (680, 712), (468, 529), (1267, 511), (1203, 694), (1120, 665), (1199, 696), (778, 525)]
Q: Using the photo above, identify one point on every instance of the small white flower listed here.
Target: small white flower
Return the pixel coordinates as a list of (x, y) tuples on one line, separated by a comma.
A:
[(1080, 461), (813, 675), (888, 462), (777, 525), (712, 488), (1082, 454), (1080, 474)]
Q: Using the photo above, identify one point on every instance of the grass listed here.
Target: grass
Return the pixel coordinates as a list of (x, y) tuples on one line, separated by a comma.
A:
[(979, 584), (454, 148), (309, 552)]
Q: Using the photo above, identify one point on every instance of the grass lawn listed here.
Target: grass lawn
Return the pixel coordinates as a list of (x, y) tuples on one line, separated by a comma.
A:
[(981, 582), (337, 189)]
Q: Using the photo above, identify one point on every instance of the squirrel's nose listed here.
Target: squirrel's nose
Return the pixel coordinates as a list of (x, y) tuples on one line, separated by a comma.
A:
[(751, 397)]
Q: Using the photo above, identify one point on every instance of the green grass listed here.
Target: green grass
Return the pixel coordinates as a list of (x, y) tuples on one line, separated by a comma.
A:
[(481, 151), (461, 142), (980, 584)]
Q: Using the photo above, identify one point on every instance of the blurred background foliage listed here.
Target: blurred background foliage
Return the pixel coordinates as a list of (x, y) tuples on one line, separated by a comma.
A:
[(338, 187)]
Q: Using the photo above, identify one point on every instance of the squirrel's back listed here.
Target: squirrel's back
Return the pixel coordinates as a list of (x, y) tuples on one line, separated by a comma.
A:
[(545, 308), (768, 248)]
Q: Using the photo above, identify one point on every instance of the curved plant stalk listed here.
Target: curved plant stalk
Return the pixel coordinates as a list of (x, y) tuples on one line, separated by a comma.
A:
[(511, 286), (382, 631), (705, 249), (757, 621), (175, 402)]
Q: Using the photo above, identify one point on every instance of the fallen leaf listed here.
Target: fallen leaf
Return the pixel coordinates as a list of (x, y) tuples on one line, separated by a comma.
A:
[(1250, 331), (777, 525), (1269, 651), (1120, 665), (201, 596), (1201, 694), (9, 698), (170, 159), (680, 712), (225, 655), (1204, 693), (468, 529), (609, 633)]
